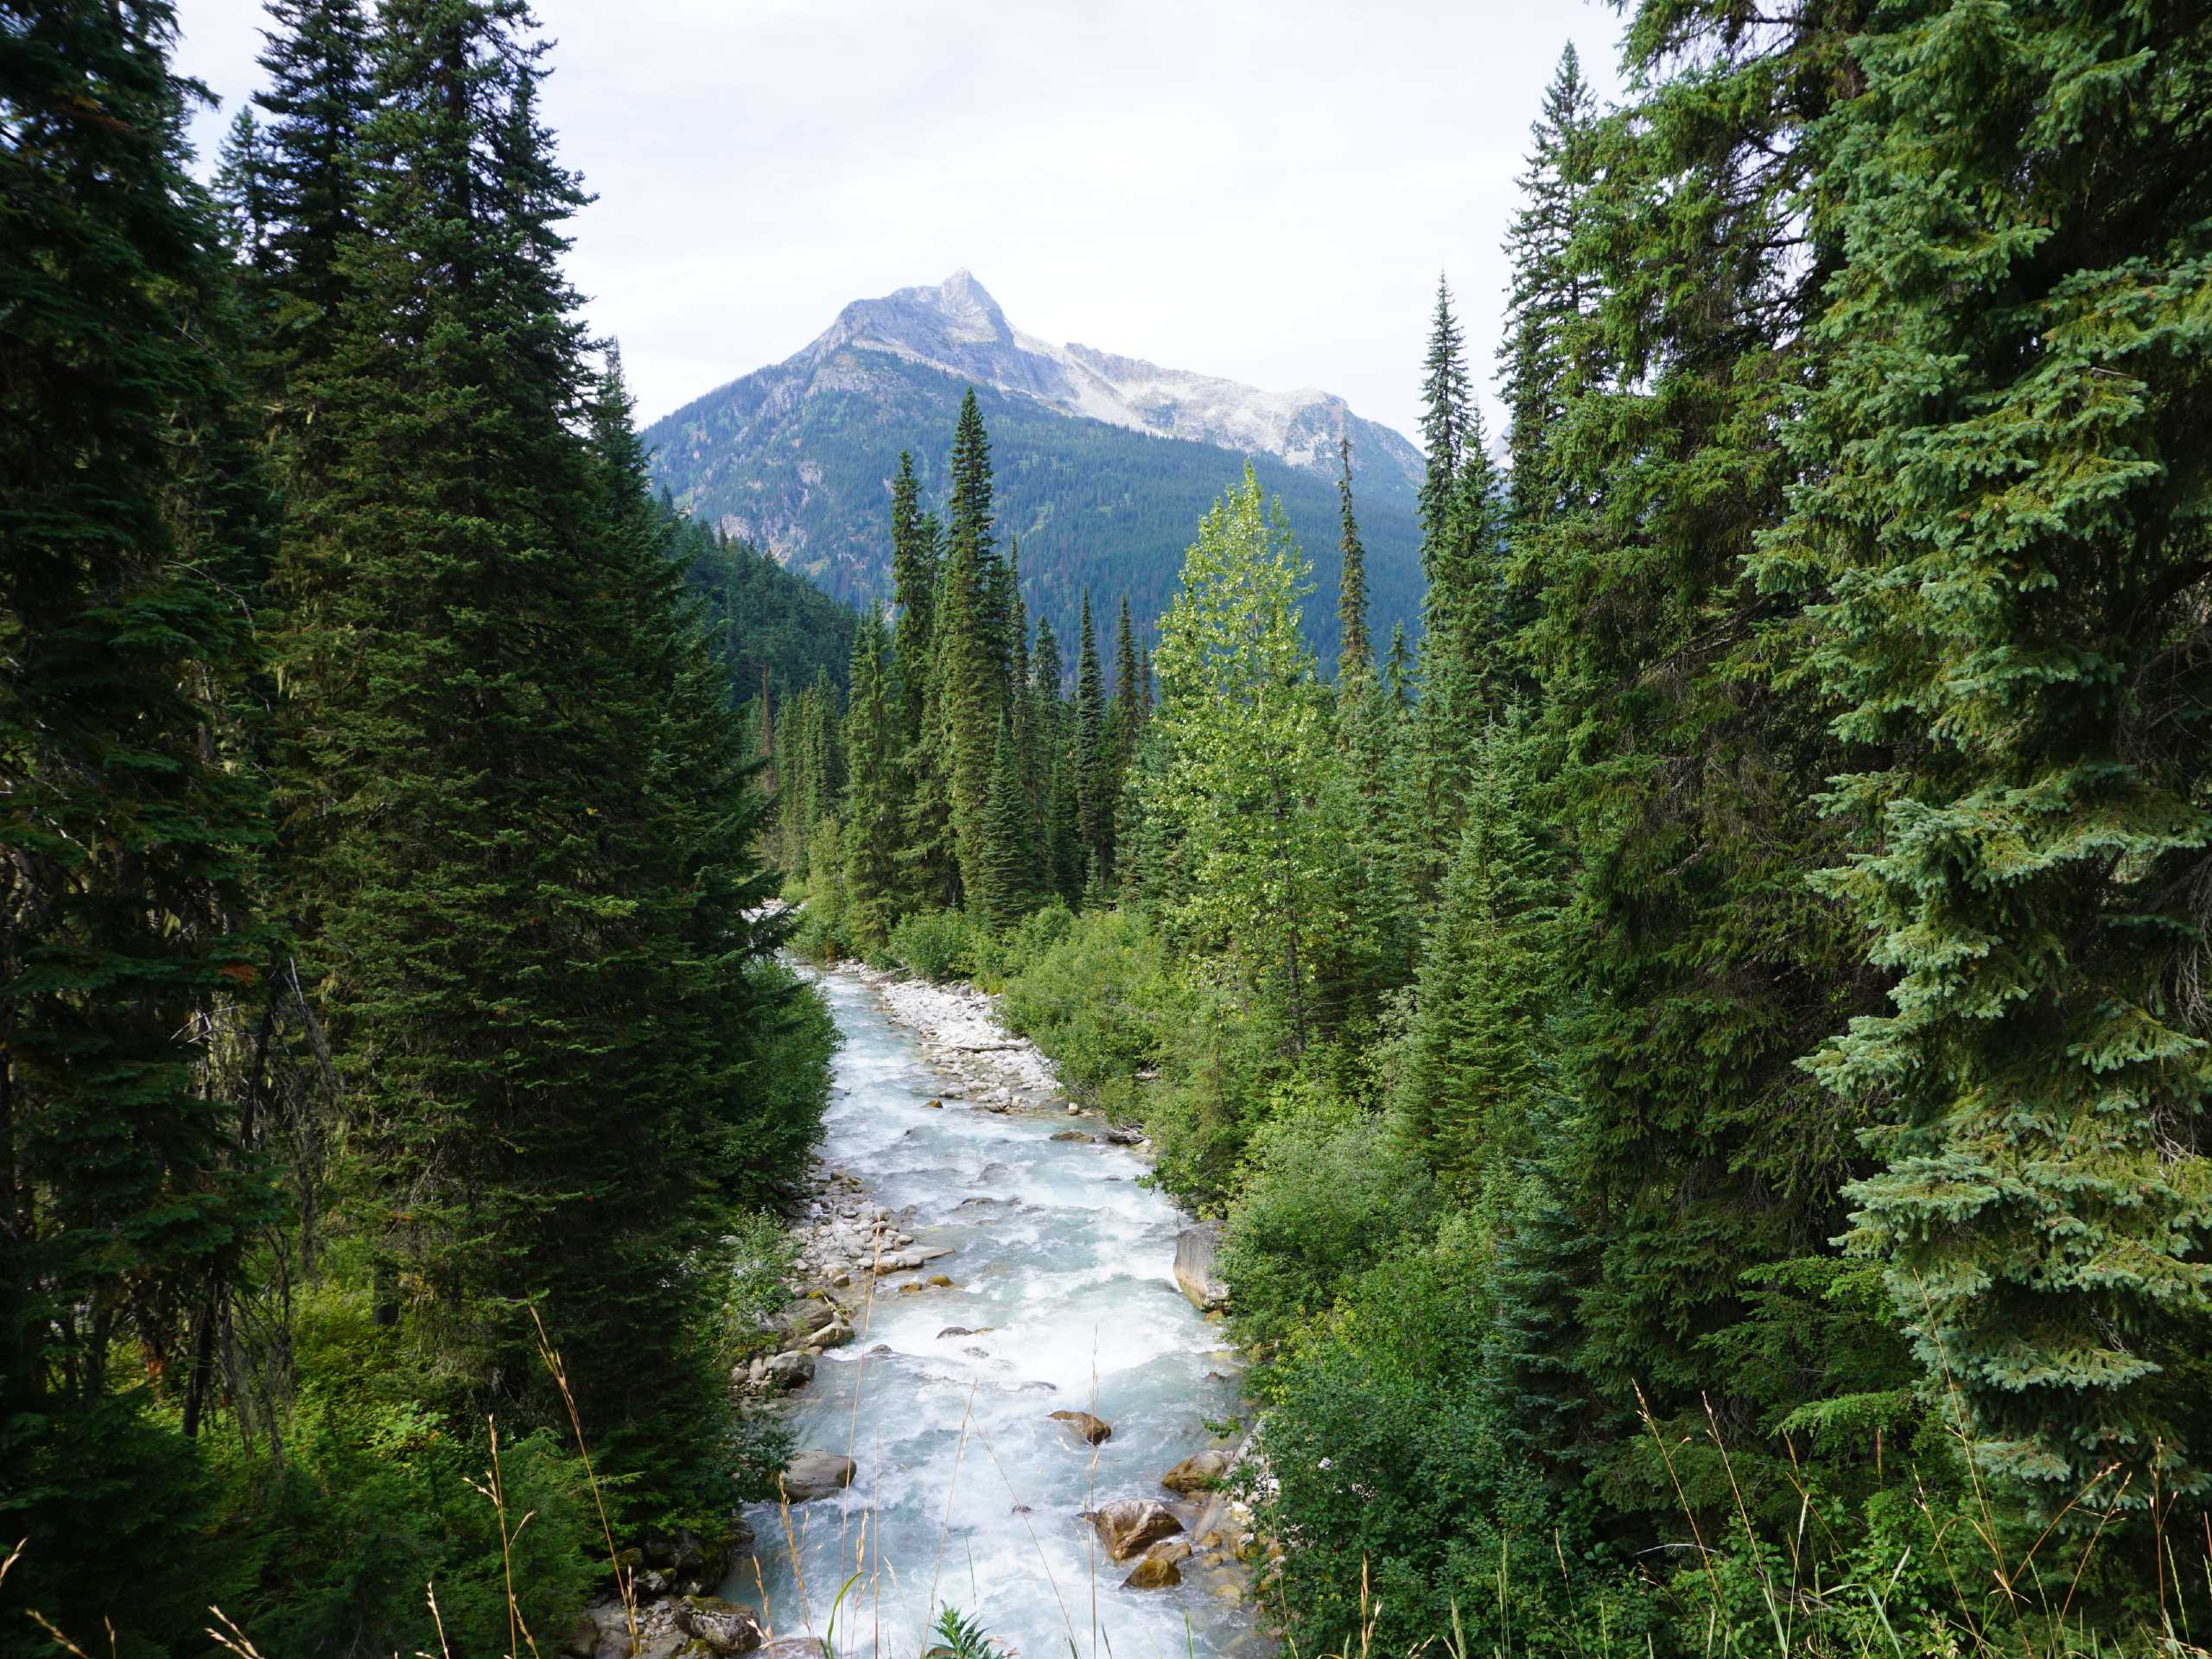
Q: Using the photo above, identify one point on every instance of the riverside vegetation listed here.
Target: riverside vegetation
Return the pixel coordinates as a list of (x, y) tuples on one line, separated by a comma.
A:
[(1703, 1068)]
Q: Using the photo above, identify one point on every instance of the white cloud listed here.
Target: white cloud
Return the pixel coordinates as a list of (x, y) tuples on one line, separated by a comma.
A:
[(1261, 192)]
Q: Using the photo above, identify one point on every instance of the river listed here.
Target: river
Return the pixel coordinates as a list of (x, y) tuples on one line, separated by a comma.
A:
[(967, 1493)]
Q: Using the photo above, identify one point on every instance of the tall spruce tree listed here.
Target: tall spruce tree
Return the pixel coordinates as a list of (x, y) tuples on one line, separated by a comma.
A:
[(318, 99), (972, 652), (871, 813), (1551, 332), (133, 529), (1355, 654), (1006, 892), (1700, 966), (1094, 803), (1469, 1090), (1061, 873), (2002, 543), (469, 580)]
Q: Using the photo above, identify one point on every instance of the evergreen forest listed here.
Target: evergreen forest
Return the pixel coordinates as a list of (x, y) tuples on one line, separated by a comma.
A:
[(1699, 1052)]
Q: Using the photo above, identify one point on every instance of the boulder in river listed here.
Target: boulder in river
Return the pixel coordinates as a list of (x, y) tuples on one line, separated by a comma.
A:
[(1074, 1134), (1194, 1269), (1122, 1136), (724, 1626), (783, 1372), (816, 1474), (1197, 1472), (1097, 1430), (1128, 1526), (795, 1647), (803, 1320), (1154, 1572)]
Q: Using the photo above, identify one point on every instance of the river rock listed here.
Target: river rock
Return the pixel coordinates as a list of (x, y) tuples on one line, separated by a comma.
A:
[(833, 1336), (1122, 1136), (1194, 1269), (795, 1647), (722, 1625), (1130, 1525), (816, 1474), (803, 1320), (1097, 1430), (1154, 1572), (783, 1372), (1197, 1472), (934, 1105), (1074, 1134)]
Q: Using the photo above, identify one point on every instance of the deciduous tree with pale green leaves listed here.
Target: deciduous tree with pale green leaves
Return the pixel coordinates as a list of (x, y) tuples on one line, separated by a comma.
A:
[(1252, 779)]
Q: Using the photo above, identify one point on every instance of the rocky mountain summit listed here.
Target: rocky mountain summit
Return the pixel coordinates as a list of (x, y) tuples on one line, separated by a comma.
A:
[(957, 328)]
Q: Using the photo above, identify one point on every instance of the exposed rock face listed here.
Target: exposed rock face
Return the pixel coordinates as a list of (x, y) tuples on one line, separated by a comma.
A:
[(1097, 1430), (816, 1474), (1197, 1472), (1129, 1526), (1194, 1269)]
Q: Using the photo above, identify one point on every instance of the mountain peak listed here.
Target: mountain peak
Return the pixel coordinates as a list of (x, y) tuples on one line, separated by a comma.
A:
[(958, 329)]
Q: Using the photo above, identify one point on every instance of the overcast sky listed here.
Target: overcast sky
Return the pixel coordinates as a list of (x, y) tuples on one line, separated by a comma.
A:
[(1265, 192)]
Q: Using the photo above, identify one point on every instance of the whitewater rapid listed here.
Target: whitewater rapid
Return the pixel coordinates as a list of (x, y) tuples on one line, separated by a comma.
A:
[(966, 1492)]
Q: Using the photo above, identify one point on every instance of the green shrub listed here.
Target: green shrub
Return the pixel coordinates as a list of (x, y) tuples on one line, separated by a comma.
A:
[(1329, 1195), (939, 945), (375, 1501)]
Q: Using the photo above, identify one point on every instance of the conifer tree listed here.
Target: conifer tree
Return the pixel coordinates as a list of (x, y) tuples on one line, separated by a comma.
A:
[(1700, 967), (1354, 655), (871, 811), (2002, 547), (1460, 661), (132, 522), (930, 853), (972, 654), (1060, 873), (1445, 407), (1129, 706), (474, 599), (1006, 892), (1550, 344), (242, 188), (1475, 1065), (1398, 671), (1094, 806), (913, 594), (318, 99)]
